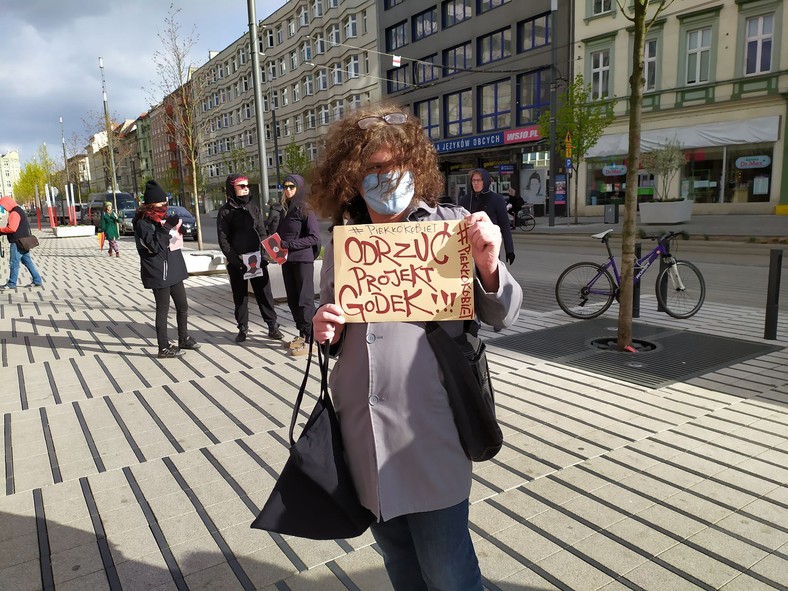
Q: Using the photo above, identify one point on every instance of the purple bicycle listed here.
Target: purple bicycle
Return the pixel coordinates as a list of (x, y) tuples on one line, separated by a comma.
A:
[(587, 290)]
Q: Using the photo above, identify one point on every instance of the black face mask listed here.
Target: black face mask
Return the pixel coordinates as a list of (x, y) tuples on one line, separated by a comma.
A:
[(243, 200)]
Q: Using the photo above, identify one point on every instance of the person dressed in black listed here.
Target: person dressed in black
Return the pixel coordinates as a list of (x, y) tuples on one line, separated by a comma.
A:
[(482, 199), (516, 203), (241, 229), (162, 267), (275, 215), (300, 234)]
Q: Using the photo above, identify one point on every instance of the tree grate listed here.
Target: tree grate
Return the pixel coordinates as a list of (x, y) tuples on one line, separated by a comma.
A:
[(678, 355)]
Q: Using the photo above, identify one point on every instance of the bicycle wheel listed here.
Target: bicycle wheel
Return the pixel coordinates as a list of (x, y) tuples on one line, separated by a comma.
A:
[(681, 289), (527, 223), (585, 290)]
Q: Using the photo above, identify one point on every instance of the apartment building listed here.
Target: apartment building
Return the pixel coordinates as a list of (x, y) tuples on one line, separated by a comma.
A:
[(9, 172), (478, 74), (317, 60), (715, 80)]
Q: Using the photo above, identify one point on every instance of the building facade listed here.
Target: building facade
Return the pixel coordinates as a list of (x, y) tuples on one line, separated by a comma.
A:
[(9, 172), (478, 74), (317, 61), (715, 81)]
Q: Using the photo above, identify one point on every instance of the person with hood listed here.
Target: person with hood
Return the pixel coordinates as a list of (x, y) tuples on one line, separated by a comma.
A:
[(240, 226), (300, 235), (17, 226), (482, 199), (275, 215), (109, 225), (162, 267)]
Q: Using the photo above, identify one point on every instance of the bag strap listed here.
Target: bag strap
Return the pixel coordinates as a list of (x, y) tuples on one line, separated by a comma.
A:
[(322, 356)]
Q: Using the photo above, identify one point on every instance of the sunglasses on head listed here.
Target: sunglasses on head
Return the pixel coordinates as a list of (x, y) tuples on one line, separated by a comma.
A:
[(289, 186), (389, 119)]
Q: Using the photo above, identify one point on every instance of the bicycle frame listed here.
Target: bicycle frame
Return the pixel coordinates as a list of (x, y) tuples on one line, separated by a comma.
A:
[(662, 249)]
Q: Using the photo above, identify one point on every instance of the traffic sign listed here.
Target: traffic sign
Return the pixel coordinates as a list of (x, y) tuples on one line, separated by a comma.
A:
[(569, 164)]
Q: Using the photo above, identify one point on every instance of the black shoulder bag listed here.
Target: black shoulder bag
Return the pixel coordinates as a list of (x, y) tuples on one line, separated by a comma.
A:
[(314, 496), (463, 361)]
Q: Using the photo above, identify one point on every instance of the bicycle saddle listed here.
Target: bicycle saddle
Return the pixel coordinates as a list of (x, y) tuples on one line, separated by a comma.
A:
[(601, 235)]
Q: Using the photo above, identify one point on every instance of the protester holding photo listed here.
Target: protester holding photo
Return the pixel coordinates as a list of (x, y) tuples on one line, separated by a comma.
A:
[(241, 229), (402, 445)]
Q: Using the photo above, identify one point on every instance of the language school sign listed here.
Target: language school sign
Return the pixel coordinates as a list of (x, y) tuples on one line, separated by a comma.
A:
[(498, 138), (404, 272)]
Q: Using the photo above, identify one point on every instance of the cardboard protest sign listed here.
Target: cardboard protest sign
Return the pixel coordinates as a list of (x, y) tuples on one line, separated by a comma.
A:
[(273, 246), (252, 261), (408, 271)]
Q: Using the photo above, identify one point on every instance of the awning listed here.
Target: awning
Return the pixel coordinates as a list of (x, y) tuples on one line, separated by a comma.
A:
[(747, 131)]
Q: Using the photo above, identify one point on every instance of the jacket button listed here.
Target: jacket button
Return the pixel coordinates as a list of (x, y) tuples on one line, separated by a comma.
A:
[(373, 400), (371, 338)]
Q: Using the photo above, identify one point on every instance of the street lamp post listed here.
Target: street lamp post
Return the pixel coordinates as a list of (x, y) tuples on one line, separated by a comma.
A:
[(553, 109), (258, 105), (108, 125), (65, 167)]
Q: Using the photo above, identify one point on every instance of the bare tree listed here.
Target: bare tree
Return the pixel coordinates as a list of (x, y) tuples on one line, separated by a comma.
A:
[(636, 81), (183, 87)]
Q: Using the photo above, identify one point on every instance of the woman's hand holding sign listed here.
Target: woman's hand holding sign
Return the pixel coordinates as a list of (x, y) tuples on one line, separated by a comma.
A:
[(485, 239), (328, 323)]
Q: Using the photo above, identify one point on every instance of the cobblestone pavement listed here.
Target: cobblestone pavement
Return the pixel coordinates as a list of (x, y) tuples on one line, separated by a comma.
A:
[(125, 471)]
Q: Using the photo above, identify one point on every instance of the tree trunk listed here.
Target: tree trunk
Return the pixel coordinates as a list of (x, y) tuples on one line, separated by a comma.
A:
[(196, 201), (624, 338)]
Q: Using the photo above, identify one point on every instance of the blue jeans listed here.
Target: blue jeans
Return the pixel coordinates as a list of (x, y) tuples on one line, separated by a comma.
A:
[(16, 258), (430, 551)]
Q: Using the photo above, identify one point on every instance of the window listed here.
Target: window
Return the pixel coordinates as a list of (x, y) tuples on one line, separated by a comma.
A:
[(354, 102), (698, 55), (336, 74), (486, 5), (600, 74), (533, 33), (269, 38), (758, 52), (424, 69), (317, 8), (306, 51), (310, 119), (351, 66), (534, 95), (282, 66), (320, 43), (285, 97), (337, 110), (299, 123), (391, 3), (455, 11), (291, 28), (249, 137), (303, 17), (322, 79), (322, 115), (311, 151), (242, 55), (351, 28), (397, 79), (495, 46), (287, 127), (271, 71), (264, 104), (333, 36), (495, 102), (333, 3), (296, 92), (275, 99), (425, 23), (601, 6), (307, 82), (650, 65), (248, 111), (427, 112), (458, 112), (293, 60), (279, 37), (457, 58), (396, 36)]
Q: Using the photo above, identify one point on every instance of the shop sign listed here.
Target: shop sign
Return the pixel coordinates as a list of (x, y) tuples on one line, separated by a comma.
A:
[(469, 143), (506, 169), (614, 170), (522, 134), (748, 162)]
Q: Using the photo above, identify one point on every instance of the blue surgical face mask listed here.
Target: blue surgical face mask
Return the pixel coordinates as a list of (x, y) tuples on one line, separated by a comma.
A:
[(389, 193)]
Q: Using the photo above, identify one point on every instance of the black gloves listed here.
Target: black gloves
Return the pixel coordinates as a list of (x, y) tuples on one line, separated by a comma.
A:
[(171, 221), (510, 257)]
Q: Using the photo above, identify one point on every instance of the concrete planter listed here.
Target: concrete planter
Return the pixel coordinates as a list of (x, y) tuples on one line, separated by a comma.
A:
[(199, 262), (666, 212), (73, 231)]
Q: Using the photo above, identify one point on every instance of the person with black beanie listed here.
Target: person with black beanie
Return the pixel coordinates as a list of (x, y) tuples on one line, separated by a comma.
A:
[(240, 226), (162, 268)]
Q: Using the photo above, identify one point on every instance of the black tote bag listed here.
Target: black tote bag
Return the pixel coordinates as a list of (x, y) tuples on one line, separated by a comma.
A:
[(463, 361), (314, 496)]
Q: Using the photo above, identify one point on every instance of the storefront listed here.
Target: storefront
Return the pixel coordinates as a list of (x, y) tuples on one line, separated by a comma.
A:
[(727, 163)]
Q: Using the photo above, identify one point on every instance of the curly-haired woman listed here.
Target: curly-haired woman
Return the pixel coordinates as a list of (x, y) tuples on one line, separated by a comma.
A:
[(404, 452)]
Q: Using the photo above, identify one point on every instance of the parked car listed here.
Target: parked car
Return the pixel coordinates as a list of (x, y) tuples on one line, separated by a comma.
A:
[(95, 206), (126, 216), (189, 221)]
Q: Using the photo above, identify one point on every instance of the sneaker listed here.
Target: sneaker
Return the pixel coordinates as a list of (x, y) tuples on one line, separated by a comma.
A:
[(300, 351), (241, 336), (296, 343), (6, 286), (188, 343), (275, 333), (170, 352), (34, 285)]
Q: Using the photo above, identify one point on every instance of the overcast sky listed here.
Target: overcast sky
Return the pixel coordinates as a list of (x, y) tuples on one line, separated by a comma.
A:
[(49, 60)]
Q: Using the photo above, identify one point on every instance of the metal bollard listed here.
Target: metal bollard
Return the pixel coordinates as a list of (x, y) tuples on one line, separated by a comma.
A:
[(662, 288), (636, 287), (773, 294)]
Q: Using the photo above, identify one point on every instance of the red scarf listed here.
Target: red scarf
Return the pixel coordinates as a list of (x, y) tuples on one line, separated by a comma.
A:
[(157, 214)]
